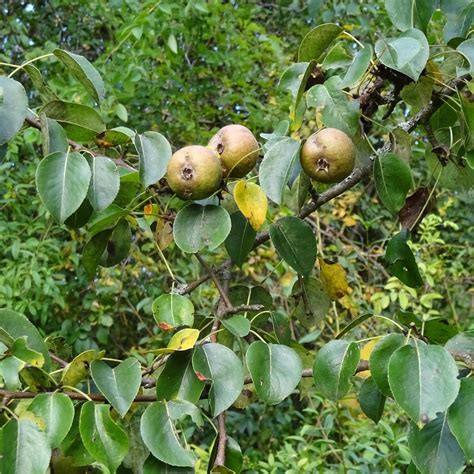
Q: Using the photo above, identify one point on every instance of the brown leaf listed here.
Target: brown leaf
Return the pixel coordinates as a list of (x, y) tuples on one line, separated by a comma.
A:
[(415, 205)]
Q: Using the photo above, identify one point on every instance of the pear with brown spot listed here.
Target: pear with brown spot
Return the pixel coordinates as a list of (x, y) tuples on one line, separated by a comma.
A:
[(237, 148), (194, 172), (328, 156)]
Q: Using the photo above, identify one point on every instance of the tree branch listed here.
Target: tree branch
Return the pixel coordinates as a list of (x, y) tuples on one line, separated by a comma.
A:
[(221, 441)]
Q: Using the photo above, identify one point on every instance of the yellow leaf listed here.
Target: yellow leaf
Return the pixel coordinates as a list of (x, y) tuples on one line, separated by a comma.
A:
[(334, 279), (181, 341), (365, 355), (164, 233), (252, 202)]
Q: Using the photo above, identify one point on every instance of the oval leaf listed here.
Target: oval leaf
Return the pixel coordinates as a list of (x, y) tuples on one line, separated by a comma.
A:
[(252, 202), (57, 412), (317, 41), (371, 400), (173, 310), (241, 238), (105, 182), (392, 178), (160, 436), (197, 227), (13, 108), (275, 370), (334, 366), (295, 243), (223, 368), (84, 72), (434, 449), (423, 380), (63, 180), (461, 418), (277, 167), (154, 153), (119, 385), (104, 439), (358, 67), (182, 341)]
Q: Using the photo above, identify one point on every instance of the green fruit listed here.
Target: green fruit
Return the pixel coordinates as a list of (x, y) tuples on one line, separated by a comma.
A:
[(237, 148), (194, 172), (328, 156)]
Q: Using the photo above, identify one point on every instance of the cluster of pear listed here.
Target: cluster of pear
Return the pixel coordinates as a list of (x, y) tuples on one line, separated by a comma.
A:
[(196, 172)]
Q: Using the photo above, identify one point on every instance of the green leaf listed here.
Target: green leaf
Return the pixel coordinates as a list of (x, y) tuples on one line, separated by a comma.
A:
[(159, 433), (466, 48), (241, 238), (105, 182), (238, 325), (294, 79), (13, 108), (21, 351), (137, 451), (17, 325), (334, 365), (178, 380), (379, 358), (336, 109), (392, 178), (78, 369), (277, 167), (233, 455), (398, 53), (423, 380), (296, 196), (172, 43), (241, 294), (275, 370), (24, 448), (295, 243), (462, 343), (223, 368), (154, 153), (47, 95), (62, 180), (456, 175), (317, 41), (460, 15), (106, 219), (358, 67), (461, 418), (10, 367), (171, 311), (153, 466), (57, 412), (82, 123), (337, 57), (104, 439), (197, 227), (84, 72), (401, 261), (119, 385), (418, 94), (313, 302), (434, 449), (406, 14), (54, 136), (371, 400)]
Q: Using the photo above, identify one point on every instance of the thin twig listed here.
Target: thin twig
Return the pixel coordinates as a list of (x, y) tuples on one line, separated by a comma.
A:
[(216, 281), (221, 440)]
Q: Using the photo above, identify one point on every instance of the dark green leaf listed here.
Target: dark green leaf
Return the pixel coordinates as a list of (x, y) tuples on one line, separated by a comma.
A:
[(13, 108), (358, 68), (105, 182), (423, 380), (57, 412), (104, 439), (334, 365), (84, 72), (277, 167), (434, 449), (197, 227), (119, 385), (392, 178), (81, 123), (54, 136), (24, 448), (47, 95), (336, 109), (154, 152), (371, 400), (401, 261), (154, 466), (178, 380), (275, 370), (238, 325), (317, 41), (295, 243), (241, 239), (313, 302), (223, 369)]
